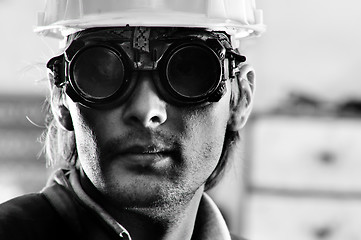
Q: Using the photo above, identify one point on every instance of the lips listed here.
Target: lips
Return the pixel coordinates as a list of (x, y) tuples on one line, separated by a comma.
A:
[(141, 155), (144, 150)]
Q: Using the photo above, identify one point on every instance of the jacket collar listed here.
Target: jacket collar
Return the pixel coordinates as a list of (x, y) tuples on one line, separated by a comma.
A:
[(209, 225)]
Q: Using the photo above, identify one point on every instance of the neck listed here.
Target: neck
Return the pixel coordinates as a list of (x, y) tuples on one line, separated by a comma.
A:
[(165, 222)]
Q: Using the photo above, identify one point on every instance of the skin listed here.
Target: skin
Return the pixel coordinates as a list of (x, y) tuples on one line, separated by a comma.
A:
[(146, 161)]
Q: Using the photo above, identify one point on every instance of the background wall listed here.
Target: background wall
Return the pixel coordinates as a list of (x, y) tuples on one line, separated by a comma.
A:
[(307, 63), (22, 52), (310, 46), (22, 89), (302, 163)]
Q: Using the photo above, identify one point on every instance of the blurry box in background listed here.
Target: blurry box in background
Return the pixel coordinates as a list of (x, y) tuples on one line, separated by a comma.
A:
[(302, 171)]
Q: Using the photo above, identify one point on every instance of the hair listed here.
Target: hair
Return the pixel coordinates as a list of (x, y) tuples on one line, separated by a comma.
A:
[(60, 145)]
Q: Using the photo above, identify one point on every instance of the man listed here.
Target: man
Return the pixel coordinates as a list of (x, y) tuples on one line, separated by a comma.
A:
[(147, 99)]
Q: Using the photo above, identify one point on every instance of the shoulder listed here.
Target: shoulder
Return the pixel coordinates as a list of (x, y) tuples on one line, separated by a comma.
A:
[(22, 205), (24, 208), (28, 215)]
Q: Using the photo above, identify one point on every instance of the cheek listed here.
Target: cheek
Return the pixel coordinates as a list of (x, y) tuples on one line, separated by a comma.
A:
[(205, 126), (87, 142), (205, 130), (92, 127)]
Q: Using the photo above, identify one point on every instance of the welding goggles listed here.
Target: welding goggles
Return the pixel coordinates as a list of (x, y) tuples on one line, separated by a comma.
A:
[(189, 67)]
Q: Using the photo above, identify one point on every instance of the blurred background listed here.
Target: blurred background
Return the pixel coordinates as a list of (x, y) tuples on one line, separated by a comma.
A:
[(296, 174)]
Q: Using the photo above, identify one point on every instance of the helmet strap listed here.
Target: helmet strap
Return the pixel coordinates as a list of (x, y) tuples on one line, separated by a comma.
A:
[(141, 39)]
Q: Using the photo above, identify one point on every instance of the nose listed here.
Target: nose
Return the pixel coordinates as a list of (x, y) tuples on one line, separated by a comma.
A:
[(145, 108)]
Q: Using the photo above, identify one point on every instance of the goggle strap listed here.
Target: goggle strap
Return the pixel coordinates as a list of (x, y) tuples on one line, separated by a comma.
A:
[(233, 54), (227, 69), (141, 38), (235, 59), (57, 69)]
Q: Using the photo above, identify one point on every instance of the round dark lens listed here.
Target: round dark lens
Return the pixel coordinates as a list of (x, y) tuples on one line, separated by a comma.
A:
[(193, 71), (98, 72)]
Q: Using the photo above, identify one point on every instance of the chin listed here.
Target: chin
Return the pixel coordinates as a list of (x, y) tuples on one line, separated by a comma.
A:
[(150, 194)]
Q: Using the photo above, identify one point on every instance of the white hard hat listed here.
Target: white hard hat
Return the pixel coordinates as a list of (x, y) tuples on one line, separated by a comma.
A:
[(239, 18)]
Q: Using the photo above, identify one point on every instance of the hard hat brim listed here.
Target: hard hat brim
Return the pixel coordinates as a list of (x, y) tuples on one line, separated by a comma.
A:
[(63, 28)]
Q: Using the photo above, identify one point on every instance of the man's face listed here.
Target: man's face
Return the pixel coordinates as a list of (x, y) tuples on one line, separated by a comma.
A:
[(146, 152)]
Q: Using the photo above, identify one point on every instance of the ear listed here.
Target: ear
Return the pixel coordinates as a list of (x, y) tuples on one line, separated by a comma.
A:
[(60, 109), (243, 102)]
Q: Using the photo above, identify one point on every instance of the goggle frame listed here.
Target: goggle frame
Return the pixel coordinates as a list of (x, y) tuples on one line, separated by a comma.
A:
[(155, 60)]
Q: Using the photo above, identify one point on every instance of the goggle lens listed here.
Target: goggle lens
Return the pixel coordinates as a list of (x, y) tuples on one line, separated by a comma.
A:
[(192, 71), (98, 72)]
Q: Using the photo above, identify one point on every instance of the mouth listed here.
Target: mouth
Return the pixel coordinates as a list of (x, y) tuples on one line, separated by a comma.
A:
[(144, 150), (144, 155)]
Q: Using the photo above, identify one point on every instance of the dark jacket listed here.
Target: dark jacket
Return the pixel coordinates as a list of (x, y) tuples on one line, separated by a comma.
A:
[(60, 212)]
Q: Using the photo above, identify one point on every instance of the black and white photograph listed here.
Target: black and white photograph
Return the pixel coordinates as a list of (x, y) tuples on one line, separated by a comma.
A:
[(180, 120)]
